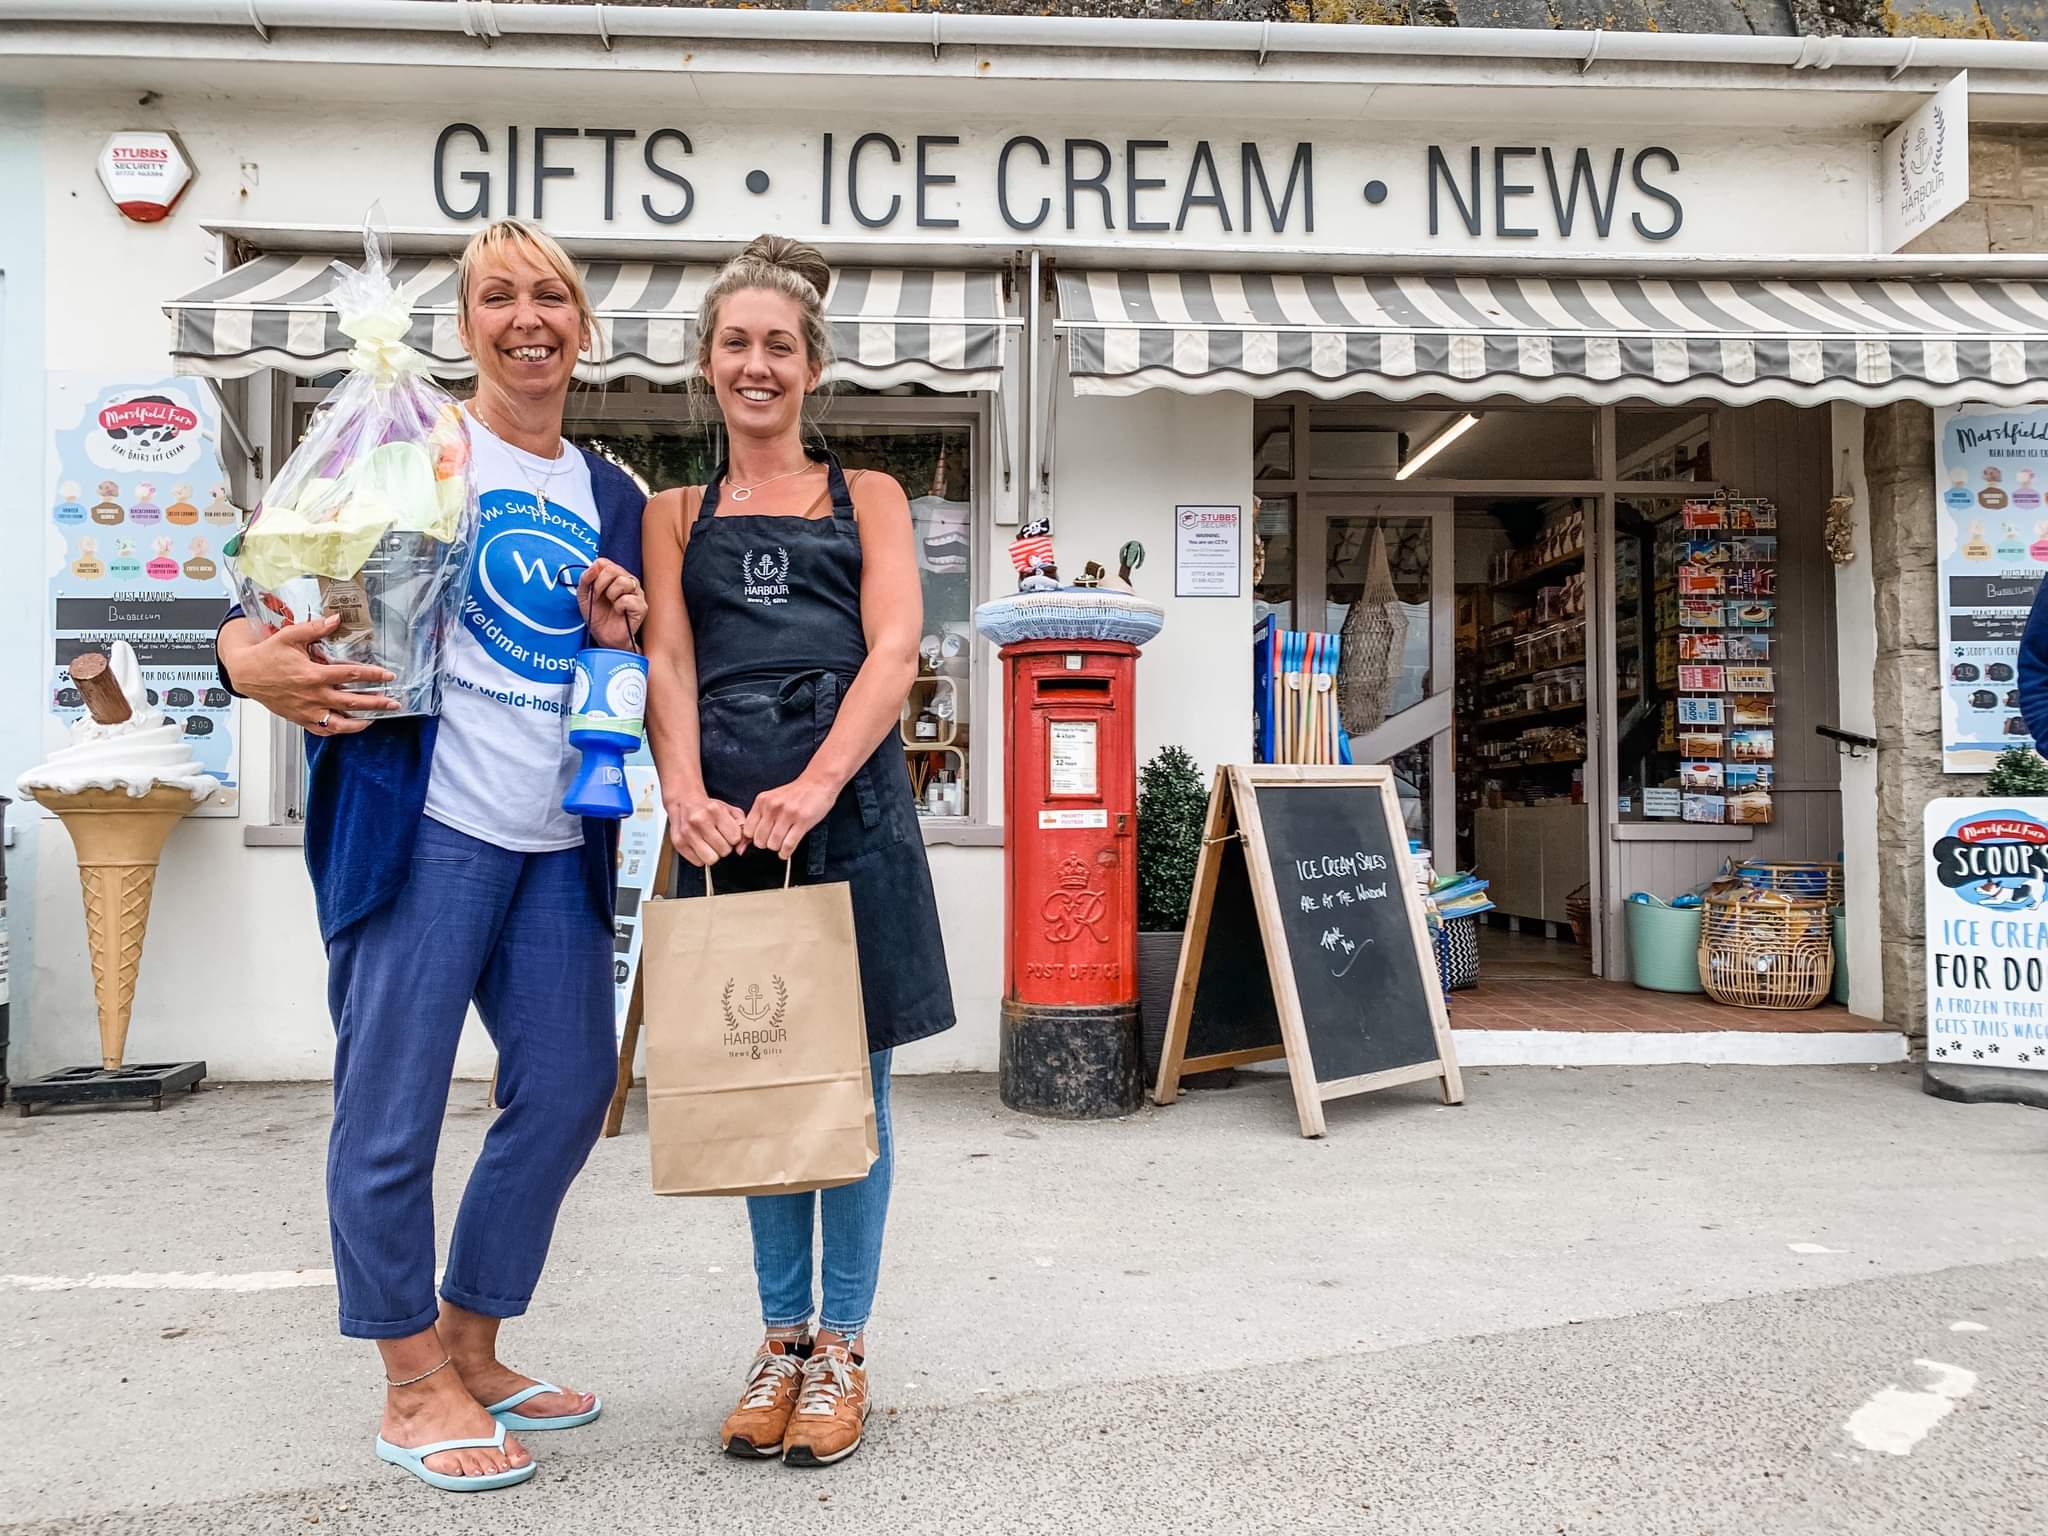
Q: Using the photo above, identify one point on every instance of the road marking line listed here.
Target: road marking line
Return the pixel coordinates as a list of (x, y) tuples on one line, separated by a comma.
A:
[(205, 1280), (1968, 1328), (1814, 1248), (1895, 1420)]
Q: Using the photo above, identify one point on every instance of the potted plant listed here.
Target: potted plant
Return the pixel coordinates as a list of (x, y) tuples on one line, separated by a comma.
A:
[(2018, 771), (1173, 809)]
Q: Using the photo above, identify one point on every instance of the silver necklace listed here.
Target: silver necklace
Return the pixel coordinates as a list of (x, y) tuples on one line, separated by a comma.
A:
[(518, 457), (746, 492)]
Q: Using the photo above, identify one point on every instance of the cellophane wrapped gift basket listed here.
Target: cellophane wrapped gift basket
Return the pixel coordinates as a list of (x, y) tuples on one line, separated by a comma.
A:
[(374, 515)]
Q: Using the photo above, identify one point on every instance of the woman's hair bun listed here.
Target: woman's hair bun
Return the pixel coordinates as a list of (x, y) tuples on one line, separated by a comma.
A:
[(792, 256)]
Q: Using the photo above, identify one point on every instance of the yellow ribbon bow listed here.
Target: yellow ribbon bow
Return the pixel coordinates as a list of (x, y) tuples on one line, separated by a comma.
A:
[(379, 335)]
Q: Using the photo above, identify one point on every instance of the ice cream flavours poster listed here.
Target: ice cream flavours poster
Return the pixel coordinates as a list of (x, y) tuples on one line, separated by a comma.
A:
[(138, 511), (1991, 545)]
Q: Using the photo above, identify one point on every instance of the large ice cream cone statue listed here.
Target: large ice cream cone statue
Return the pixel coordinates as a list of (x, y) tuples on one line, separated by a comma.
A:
[(119, 839), (119, 788)]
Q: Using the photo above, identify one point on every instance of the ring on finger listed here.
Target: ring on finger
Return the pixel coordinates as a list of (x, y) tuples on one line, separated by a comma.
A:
[(321, 723)]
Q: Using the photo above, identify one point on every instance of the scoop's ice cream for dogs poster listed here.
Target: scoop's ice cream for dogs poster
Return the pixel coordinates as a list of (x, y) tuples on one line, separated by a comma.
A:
[(1991, 545), (1987, 932), (128, 440)]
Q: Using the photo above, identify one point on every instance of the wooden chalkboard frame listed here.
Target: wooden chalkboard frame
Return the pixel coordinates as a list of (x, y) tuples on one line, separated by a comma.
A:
[(1234, 814)]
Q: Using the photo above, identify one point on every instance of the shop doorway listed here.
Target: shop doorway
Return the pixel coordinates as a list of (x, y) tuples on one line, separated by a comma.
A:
[(1547, 739), (1523, 719), (1483, 524)]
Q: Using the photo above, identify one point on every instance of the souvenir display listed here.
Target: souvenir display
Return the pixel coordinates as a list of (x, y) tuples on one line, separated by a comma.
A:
[(1726, 582)]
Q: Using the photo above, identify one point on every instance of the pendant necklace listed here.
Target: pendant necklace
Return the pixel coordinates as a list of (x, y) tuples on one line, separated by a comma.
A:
[(519, 457), (746, 492)]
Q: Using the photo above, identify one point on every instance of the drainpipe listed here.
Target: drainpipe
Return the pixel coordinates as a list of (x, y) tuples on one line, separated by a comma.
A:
[(604, 23)]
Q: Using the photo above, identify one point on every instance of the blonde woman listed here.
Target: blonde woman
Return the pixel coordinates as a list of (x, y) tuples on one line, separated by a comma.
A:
[(446, 872), (781, 640)]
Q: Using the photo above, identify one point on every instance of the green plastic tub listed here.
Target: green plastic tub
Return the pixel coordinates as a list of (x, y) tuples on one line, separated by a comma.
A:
[(1663, 946)]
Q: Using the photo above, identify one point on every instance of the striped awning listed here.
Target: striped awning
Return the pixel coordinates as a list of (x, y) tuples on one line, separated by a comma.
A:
[(944, 329), (1529, 338)]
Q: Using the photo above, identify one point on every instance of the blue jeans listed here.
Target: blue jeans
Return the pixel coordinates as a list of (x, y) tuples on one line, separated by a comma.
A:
[(518, 933), (852, 1216)]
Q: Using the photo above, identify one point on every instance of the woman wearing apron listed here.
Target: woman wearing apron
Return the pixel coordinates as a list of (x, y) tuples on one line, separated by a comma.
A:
[(782, 640)]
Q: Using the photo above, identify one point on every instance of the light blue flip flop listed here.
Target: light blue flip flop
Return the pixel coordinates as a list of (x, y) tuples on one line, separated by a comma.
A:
[(508, 1419), (413, 1459)]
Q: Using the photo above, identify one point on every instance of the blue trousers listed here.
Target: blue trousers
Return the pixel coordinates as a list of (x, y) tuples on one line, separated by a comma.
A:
[(516, 932), (851, 1217)]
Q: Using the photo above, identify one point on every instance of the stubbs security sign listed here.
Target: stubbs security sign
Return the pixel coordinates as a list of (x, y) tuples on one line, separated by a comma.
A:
[(1926, 165), (1987, 932)]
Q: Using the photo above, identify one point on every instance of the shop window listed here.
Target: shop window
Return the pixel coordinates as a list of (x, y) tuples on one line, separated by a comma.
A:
[(933, 459), (1273, 444), (1442, 440), (1348, 566), (1646, 642), (1665, 446), (935, 467), (932, 449), (1273, 559)]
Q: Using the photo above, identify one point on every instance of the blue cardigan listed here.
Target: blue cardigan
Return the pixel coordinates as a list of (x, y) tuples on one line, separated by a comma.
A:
[(368, 789)]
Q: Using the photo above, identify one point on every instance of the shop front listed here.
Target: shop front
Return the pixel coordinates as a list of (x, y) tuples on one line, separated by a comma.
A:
[(1504, 384)]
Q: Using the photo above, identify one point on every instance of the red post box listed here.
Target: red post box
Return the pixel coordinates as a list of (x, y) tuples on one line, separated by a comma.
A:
[(1070, 1043)]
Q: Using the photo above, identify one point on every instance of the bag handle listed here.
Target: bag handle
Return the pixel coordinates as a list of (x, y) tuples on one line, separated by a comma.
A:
[(788, 870)]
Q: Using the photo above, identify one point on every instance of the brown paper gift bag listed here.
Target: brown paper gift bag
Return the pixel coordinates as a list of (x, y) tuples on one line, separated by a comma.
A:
[(757, 1048)]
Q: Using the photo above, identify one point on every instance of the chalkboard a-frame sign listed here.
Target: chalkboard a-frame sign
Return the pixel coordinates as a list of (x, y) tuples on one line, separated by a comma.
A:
[(1306, 940)]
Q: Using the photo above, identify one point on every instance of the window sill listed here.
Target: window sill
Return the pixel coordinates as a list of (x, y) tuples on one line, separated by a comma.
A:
[(961, 835), (1680, 832), (293, 835)]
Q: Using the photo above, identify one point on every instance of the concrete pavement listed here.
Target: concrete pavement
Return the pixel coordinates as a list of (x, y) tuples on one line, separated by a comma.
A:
[(1626, 1300)]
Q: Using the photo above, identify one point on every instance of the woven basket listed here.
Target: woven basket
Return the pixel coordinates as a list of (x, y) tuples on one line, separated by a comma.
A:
[(1071, 613), (1457, 953), (1807, 878), (1578, 911), (1764, 950)]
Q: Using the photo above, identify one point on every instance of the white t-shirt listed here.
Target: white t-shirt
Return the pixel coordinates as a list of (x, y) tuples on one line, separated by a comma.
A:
[(502, 760)]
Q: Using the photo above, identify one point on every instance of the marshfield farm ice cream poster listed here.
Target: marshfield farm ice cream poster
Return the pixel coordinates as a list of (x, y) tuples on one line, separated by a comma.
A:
[(138, 512)]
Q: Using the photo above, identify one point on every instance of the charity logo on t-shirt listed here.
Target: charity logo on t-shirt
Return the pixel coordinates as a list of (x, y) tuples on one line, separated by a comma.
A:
[(522, 593)]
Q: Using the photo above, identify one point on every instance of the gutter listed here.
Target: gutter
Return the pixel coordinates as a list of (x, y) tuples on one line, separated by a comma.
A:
[(605, 24)]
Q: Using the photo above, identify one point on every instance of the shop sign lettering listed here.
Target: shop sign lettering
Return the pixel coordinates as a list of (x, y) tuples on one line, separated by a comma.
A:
[(1205, 188)]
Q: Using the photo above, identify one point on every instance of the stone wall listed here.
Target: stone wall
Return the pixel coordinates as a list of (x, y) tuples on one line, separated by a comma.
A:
[(1738, 18), (2007, 212), (2008, 206), (1898, 452)]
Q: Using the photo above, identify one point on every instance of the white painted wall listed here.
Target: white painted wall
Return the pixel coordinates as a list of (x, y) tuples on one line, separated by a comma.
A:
[(21, 508), (233, 971), (1121, 467), (1856, 637)]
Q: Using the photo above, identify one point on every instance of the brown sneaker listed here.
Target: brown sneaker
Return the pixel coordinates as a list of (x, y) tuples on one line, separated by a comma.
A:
[(832, 1411), (755, 1428)]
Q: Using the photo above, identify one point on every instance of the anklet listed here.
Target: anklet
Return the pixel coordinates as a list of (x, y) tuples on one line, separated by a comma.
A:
[(410, 1381)]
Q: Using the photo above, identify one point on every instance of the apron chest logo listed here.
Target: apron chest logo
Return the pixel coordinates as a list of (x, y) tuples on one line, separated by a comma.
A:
[(765, 576)]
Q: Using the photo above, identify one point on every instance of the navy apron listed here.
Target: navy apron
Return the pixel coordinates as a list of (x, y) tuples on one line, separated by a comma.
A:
[(774, 604)]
